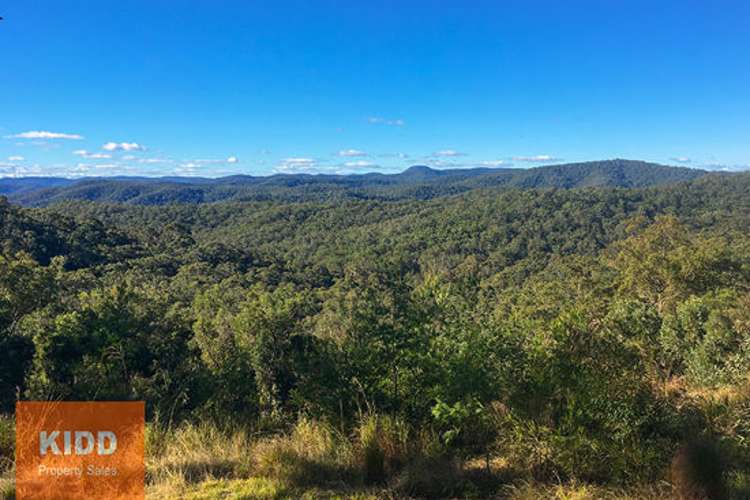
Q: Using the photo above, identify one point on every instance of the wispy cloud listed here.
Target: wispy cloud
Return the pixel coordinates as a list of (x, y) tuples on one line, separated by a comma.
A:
[(537, 158), (14, 170), (44, 134), (447, 153), (681, 159), (16, 158), (494, 163), (123, 146), (375, 120), (301, 165), (154, 161), (722, 167), (187, 167), (296, 165), (231, 159), (402, 156), (447, 164), (91, 156), (451, 163), (361, 164), (352, 153)]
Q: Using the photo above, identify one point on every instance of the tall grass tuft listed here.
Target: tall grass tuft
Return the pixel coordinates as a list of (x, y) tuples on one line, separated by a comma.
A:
[(384, 447), (314, 453), (7, 488), (7, 456), (7, 442), (192, 453)]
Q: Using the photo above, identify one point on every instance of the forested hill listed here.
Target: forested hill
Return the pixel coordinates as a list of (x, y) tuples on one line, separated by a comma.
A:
[(417, 182), (586, 334)]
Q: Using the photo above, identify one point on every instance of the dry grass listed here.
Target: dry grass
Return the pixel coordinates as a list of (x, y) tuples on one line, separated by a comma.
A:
[(193, 453), (7, 442), (267, 489), (382, 458), (7, 486), (576, 491), (312, 454), (7, 451), (383, 446)]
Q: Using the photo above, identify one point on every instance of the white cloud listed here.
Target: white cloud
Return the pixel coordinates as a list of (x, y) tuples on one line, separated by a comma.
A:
[(152, 161), (349, 153), (537, 158), (494, 163), (448, 153), (123, 146), (43, 134), (444, 164), (681, 159), (15, 158), (80, 169), (92, 156), (378, 120), (35, 170), (402, 156), (296, 165), (85, 167), (299, 161), (450, 163), (186, 169), (361, 164), (208, 161), (722, 167)]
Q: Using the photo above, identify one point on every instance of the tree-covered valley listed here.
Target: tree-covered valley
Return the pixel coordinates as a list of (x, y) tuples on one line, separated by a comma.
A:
[(581, 330)]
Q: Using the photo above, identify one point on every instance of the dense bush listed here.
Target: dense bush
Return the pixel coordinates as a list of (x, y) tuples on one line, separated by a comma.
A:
[(578, 335)]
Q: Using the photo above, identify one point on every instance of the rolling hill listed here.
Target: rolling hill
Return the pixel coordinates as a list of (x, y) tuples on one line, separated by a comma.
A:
[(417, 182)]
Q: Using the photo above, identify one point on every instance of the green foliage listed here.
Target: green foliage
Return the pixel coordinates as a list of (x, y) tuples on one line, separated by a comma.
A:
[(586, 404), (116, 343), (700, 340), (24, 287), (464, 423), (665, 265), (387, 329)]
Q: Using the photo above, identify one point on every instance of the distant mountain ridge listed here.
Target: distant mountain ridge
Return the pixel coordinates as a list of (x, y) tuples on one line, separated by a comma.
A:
[(419, 182)]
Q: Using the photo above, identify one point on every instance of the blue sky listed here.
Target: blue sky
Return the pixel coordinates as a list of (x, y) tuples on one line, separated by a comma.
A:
[(163, 87)]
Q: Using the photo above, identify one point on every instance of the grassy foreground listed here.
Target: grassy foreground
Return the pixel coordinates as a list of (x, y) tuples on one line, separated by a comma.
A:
[(380, 459)]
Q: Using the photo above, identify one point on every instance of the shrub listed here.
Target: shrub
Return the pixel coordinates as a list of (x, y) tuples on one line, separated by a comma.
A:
[(585, 409)]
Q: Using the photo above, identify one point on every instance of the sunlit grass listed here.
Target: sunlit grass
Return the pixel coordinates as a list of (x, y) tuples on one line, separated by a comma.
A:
[(7, 486)]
